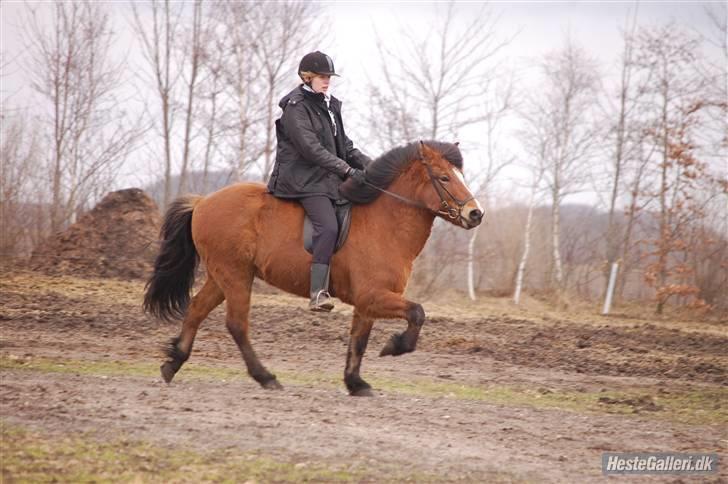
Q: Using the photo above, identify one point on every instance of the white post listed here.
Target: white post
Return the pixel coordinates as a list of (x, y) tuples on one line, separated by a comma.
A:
[(610, 289), (471, 272)]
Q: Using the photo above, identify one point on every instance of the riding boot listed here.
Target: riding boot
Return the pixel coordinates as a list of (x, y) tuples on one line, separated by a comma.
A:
[(320, 299)]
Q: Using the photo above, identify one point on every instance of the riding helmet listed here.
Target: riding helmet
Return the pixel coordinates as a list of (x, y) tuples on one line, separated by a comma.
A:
[(317, 62)]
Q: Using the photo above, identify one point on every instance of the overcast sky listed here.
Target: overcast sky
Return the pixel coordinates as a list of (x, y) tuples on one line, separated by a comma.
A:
[(538, 27)]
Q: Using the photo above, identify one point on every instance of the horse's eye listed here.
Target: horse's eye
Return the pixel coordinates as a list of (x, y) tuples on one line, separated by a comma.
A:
[(444, 178)]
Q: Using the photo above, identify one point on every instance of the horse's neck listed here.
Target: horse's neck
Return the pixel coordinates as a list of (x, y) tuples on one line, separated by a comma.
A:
[(410, 225)]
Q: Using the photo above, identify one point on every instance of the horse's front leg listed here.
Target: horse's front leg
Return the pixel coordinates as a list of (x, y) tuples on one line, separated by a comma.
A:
[(388, 304), (361, 327)]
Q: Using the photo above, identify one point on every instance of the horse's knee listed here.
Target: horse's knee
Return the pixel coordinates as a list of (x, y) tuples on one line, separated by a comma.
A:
[(416, 315)]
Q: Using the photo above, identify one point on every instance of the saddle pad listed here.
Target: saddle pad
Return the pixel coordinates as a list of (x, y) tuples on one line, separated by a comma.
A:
[(343, 217)]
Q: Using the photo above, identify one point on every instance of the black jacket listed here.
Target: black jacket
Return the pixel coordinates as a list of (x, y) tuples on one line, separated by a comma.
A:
[(310, 160)]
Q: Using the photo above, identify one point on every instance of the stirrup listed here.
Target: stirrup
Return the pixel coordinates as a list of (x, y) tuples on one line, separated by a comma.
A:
[(321, 302)]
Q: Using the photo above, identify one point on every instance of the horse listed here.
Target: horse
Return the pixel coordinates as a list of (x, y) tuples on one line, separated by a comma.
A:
[(241, 232)]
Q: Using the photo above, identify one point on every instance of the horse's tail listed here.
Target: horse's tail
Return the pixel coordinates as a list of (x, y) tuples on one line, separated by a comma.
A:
[(168, 290)]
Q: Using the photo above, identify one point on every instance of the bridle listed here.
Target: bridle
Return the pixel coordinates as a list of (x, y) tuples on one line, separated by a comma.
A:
[(445, 210)]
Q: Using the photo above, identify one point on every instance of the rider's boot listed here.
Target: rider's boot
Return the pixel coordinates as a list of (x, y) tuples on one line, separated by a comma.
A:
[(320, 299)]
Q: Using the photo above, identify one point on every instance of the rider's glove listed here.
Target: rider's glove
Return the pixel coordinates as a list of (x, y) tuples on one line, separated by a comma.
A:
[(358, 175)]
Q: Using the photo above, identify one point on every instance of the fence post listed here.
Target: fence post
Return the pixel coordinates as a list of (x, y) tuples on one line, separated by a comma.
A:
[(610, 289)]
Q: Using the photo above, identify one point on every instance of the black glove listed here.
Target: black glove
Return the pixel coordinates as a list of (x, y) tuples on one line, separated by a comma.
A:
[(358, 175)]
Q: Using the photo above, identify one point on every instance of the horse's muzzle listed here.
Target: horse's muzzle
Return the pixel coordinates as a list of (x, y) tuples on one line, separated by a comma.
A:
[(471, 217)]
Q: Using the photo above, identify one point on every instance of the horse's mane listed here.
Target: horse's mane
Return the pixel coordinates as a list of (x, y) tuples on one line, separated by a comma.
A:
[(382, 171)]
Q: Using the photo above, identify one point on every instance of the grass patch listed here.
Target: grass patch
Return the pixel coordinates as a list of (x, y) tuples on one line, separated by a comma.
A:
[(700, 406), (29, 456)]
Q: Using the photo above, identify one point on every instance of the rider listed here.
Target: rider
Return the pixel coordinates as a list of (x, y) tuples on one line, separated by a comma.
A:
[(314, 156)]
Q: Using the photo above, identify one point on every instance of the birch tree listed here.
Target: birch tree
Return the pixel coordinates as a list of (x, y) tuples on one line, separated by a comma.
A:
[(520, 273), (560, 133), (498, 106)]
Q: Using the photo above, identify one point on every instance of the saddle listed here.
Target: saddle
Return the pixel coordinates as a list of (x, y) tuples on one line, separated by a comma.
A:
[(343, 217)]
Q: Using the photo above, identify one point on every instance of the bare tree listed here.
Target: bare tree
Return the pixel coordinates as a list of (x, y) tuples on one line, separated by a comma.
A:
[(242, 119), (498, 105), (193, 56), (622, 139), (434, 74), (158, 44), (212, 89), (670, 58), (70, 66), (635, 187), (560, 132), (19, 164)]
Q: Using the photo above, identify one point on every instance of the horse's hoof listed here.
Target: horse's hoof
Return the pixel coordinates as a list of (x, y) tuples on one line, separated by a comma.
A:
[(390, 347), (362, 392), (394, 346), (272, 385), (167, 371)]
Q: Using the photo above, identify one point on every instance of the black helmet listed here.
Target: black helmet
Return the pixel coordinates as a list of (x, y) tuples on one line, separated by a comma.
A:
[(317, 62)]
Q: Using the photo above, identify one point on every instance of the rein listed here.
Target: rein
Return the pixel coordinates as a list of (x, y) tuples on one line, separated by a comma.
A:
[(445, 208)]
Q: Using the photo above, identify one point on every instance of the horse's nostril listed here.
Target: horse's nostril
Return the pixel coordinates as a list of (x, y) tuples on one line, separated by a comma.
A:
[(476, 215)]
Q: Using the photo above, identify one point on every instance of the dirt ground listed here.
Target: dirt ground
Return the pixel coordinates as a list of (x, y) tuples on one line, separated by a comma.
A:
[(493, 393)]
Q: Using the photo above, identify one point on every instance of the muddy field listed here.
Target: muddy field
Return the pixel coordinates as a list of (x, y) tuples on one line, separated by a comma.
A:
[(493, 393)]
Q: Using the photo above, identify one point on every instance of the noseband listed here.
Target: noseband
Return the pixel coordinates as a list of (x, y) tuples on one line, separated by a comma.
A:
[(446, 210)]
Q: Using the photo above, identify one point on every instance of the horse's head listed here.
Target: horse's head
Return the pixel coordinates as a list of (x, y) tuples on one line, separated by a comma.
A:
[(444, 190)]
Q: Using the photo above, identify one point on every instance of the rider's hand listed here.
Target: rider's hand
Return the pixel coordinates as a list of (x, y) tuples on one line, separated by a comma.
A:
[(357, 175)]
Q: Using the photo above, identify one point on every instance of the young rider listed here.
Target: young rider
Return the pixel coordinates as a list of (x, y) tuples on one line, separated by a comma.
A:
[(314, 156)]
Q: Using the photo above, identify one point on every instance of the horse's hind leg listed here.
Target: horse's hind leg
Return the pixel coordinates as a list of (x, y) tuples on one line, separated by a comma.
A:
[(387, 304), (361, 327), (238, 309), (180, 347)]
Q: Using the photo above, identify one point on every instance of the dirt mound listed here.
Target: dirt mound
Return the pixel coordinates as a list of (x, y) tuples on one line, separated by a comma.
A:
[(118, 238)]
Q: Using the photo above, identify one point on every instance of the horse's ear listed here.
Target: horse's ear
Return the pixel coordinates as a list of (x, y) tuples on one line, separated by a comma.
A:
[(425, 151), (457, 143)]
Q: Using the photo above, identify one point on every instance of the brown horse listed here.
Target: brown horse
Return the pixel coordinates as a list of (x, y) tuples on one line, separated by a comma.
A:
[(242, 232)]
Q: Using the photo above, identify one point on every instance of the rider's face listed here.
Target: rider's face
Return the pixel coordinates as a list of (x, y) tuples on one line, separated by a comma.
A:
[(320, 83)]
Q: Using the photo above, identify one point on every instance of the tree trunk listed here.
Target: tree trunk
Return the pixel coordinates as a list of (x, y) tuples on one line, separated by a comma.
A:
[(195, 63), (555, 236), (526, 247), (664, 242)]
